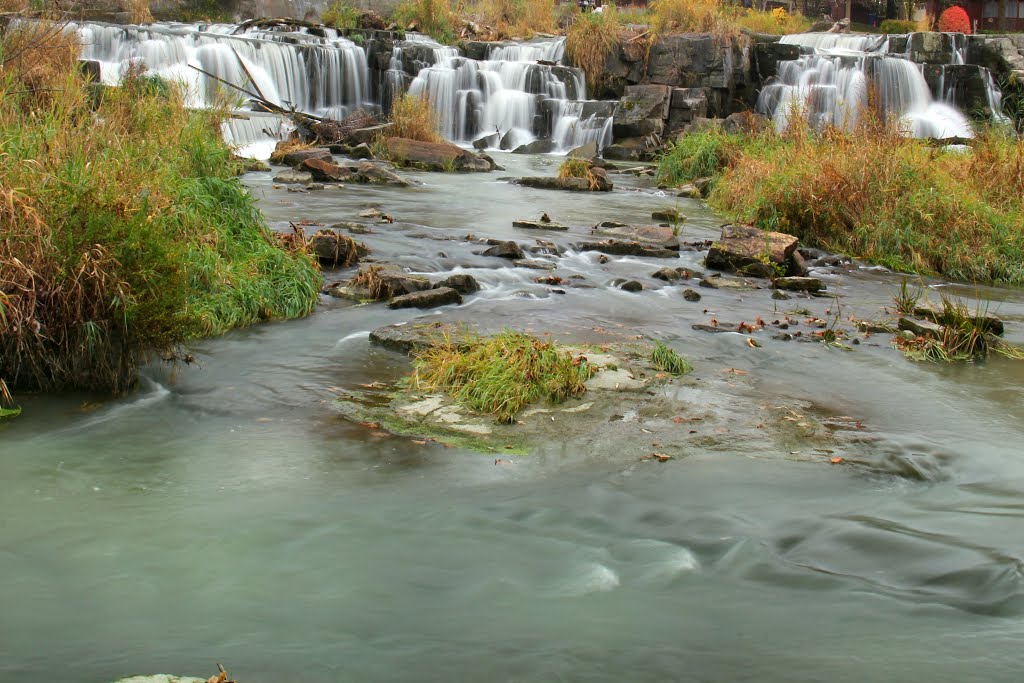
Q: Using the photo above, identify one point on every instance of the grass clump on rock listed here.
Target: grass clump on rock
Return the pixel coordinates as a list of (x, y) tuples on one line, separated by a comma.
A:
[(665, 359), (413, 118), (578, 168), (874, 193), (123, 228), (500, 375)]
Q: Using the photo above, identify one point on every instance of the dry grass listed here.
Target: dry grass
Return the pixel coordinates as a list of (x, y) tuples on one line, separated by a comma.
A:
[(589, 41), (331, 132), (40, 56), (14, 6), (138, 11), (369, 279), (690, 16), (292, 144), (413, 118), (578, 168), (514, 18)]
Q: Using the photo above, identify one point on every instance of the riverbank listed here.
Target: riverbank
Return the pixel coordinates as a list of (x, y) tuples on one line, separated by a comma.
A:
[(907, 204), (126, 230)]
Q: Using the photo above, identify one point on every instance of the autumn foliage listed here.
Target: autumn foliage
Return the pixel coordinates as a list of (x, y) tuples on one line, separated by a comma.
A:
[(955, 20)]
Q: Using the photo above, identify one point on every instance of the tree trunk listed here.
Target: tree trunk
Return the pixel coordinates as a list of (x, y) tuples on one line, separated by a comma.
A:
[(1001, 22), (849, 10)]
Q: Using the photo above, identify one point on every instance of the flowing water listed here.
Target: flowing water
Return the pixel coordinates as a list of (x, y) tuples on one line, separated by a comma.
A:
[(223, 512)]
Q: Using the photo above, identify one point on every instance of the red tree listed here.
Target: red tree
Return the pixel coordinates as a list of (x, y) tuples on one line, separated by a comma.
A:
[(955, 20)]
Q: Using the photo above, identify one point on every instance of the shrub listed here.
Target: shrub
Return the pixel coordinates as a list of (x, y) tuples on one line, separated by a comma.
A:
[(954, 19), (123, 229), (340, 15), (589, 41), (414, 118), (778, 21), (898, 26), (500, 375)]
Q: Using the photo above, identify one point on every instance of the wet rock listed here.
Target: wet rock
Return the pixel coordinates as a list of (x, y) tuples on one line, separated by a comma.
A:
[(631, 286), (798, 265), (541, 146), (987, 323), (714, 329), (587, 151), (780, 295), (410, 337), (162, 678), (668, 215), (430, 298), (487, 142), (632, 149), (369, 134), (509, 250), (297, 157), (667, 274), (689, 191), (333, 249), (361, 151), (799, 284), (434, 156), (541, 224), (920, 329), (751, 251), (292, 177), (566, 184), (353, 228), (652, 234), (381, 282), (535, 264), (626, 248), (726, 283), (360, 172), (463, 283), (691, 295), (642, 111)]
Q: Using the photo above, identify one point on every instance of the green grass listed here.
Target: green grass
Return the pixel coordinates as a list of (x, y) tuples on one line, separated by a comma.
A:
[(963, 336), (340, 15), (125, 229), (500, 375), (665, 359)]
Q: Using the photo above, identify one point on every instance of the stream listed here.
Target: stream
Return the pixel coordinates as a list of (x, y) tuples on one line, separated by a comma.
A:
[(223, 512)]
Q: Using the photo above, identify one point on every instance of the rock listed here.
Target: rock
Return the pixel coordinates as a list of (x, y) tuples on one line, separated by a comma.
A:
[(666, 274), (361, 151), (161, 678), (429, 298), (587, 151), (463, 283), (725, 283), (535, 264), (632, 149), (799, 284), (920, 329), (745, 122), (293, 178), (668, 215), (651, 234), (988, 323), (691, 295), (434, 156), (780, 295), (631, 286), (333, 249), (541, 146), (797, 265), (626, 248), (569, 184), (750, 251), (369, 134), (324, 171), (690, 191), (509, 250), (376, 172), (641, 111), (528, 224), (487, 141), (297, 157), (410, 337), (385, 281)]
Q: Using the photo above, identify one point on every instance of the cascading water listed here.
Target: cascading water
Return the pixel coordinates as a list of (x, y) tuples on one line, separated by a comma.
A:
[(325, 75), (519, 93), (830, 85)]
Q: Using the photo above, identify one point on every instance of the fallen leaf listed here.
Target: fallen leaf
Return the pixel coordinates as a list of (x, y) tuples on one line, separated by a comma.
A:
[(753, 343), (419, 442), (836, 460), (735, 371)]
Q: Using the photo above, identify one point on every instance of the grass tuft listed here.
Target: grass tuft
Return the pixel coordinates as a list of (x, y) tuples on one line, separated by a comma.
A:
[(589, 41), (500, 375), (578, 168), (665, 359), (964, 335), (413, 118)]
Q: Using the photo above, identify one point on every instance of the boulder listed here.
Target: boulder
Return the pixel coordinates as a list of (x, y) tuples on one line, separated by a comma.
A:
[(410, 337), (369, 134), (642, 111), (799, 284), (920, 329), (360, 172), (295, 158), (631, 286), (487, 141), (587, 151), (751, 251), (324, 171), (691, 295), (509, 250), (667, 274), (382, 282), (536, 147), (668, 215), (428, 298), (292, 177), (361, 151), (988, 323), (463, 283), (434, 156), (379, 173), (652, 234)]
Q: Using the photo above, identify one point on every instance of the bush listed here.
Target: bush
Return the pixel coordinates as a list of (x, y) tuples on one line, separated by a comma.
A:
[(898, 26), (414, 118), (698, 155), (340, 15), (124, 230), (954, 19)]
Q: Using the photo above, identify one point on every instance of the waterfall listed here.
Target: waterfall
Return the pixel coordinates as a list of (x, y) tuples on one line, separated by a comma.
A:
[(830, 82)]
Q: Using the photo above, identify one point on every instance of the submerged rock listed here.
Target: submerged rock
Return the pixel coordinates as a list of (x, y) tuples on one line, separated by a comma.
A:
[(567, 184), (410, 337), (652, 234), (799, 284), (627, 248), (631, 286), (428, 298), (691, 295), (162, 678), (541, 224), (509, 250)]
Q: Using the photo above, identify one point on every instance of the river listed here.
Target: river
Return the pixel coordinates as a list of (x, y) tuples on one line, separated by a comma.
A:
[(224, 512)]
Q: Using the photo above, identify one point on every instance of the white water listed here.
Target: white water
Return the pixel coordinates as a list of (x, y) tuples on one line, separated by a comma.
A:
[(830, 87)]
